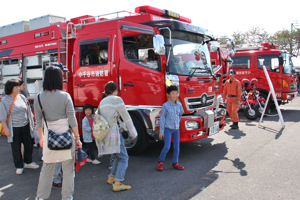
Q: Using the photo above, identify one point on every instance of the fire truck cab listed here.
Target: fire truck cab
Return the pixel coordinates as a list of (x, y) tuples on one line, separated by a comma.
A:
[(143, 52), (248, 63)]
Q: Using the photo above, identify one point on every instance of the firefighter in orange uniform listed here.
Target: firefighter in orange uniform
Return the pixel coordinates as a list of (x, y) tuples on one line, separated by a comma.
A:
[(232, 92)]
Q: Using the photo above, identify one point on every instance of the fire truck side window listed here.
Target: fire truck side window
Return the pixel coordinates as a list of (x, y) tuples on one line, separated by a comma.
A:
[(241, 62), (139, 50), (93, 53), (271, 62)]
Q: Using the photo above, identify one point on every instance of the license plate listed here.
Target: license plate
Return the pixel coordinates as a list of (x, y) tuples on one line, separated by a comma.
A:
[(215, 129)]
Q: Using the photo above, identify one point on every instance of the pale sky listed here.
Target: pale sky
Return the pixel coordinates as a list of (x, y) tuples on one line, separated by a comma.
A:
[(219, 16)]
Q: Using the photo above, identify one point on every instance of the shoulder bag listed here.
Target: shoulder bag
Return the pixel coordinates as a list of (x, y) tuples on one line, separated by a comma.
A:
[(11, 105), (57, 141), (100, 127)]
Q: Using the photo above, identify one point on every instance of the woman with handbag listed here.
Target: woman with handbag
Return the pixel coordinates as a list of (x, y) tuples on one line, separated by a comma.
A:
[(17, 122), (111, 107), (55, 108)]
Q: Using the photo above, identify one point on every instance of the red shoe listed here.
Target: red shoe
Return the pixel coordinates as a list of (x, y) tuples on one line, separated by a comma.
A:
[(177, 166), (160, 166)]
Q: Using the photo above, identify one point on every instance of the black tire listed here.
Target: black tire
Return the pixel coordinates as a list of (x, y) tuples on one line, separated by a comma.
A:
[(251, 114), (271, 103), (141, 142)]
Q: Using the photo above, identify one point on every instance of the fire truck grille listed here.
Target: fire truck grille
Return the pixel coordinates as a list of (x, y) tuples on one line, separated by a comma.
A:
[(196, 103), (293, 87)]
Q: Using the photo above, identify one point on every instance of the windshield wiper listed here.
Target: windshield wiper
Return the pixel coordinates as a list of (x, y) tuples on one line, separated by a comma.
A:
[(193, 68), (206, 68)]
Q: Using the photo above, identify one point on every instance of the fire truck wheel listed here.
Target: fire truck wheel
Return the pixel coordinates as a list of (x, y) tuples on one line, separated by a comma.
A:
[(252, 113), (265, 96), (141, 142)]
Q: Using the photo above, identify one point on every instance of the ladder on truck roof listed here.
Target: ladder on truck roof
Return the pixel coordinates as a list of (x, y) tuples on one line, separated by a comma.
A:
[(104, 18)]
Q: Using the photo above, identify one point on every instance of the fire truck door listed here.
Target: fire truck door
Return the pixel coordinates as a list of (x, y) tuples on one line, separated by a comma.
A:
[(272, 65), (141, 78), (92, 70)]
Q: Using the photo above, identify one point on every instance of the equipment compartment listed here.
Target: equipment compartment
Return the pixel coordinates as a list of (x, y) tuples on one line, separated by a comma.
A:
[(14, 28), (34, 73), (9, 70), (44, 21)]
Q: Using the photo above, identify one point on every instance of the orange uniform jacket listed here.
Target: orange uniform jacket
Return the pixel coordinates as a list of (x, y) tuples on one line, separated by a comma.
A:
[(233, 88), (232, 92)]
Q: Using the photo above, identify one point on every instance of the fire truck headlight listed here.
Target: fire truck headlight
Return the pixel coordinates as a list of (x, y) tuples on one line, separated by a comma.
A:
[(219, 112), (288, 96), (223, 112), (192, 125)]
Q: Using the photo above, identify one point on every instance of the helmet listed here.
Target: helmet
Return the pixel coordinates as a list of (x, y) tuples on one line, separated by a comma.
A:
[(254, 82), (60, 66), (246, 84), (104, 54), (232, 71)]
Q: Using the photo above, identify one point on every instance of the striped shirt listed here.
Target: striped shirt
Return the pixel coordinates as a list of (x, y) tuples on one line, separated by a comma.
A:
[(18, 112), (112, 107)]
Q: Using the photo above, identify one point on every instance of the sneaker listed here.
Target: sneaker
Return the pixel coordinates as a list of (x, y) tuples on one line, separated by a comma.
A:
[(120, 187), (177, 166), (89, 160), (96, 162), (160, 166), (56, 185), (32, 165), (19, 171), (111, 179)]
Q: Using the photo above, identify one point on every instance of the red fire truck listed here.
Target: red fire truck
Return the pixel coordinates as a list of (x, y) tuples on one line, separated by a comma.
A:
[(143, 52), (248, 64)]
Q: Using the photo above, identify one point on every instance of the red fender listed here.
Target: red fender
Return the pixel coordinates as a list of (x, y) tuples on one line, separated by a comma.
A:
[(261, 99), (251, 101)]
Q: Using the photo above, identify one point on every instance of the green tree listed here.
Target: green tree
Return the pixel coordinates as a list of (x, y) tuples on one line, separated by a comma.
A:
[(254, 37), (238, 37), (282, 39)]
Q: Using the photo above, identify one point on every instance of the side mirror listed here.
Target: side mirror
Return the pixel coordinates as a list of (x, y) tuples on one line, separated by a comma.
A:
[(159, 45), (231, 45), (228, 62)]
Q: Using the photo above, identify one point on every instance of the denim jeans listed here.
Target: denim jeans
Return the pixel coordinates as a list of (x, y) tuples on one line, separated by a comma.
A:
[(57, 176), (168, 134), (121, 162), (22, 135)]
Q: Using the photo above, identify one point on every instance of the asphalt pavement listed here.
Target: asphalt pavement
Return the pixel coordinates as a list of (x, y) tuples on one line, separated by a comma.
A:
[(250, 163)]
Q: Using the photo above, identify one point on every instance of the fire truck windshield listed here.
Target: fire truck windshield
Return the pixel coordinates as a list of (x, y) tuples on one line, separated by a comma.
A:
[(189, 52), (288, 67)]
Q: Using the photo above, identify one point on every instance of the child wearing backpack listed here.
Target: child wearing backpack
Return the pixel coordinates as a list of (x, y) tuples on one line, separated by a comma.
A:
[(170, 115), (87, 132)]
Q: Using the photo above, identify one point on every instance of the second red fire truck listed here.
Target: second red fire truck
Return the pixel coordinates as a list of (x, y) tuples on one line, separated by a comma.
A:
[(248, 64), (143, 52)]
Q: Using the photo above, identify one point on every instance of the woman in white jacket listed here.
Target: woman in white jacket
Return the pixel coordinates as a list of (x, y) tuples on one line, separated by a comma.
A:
[(111, 107)]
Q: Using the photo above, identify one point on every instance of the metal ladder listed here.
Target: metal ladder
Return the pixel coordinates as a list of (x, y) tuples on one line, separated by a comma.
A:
[(102, 18)]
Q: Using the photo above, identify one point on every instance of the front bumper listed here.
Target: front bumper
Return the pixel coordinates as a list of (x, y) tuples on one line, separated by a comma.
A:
[(210, 122), (289, 95)]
